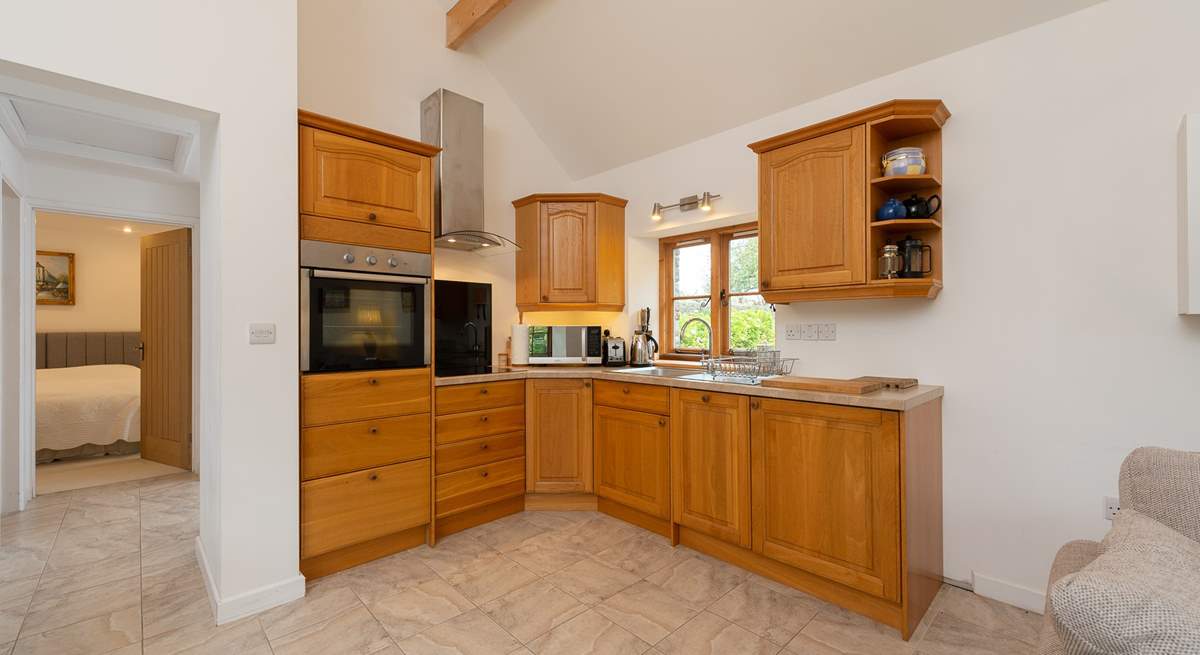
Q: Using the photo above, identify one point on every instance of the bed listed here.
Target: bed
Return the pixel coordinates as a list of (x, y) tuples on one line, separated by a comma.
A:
[(88, 394)]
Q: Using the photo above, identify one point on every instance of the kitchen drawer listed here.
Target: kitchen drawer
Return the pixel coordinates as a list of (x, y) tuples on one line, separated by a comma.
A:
[(351, 508), (340, 397), (344, 447), (638, 397), (465, 454), (484, 423), (485, 395), (481, 485)]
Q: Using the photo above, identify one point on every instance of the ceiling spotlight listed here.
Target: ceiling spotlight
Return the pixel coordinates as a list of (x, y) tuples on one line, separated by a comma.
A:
[(127, 229), (452, 240), (656, 214), (706, 202), (485, 244)]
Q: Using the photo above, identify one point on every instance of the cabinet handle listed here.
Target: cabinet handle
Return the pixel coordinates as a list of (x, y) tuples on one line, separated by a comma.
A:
[(662, 421), (373, 381), (704, 398), (754, 404), (371, 216), (624, 389), (483, 474), (373, 477), (587, 385), (483, 446), (766, 284), (545, 298), (483, 419), (373, 430), (483, 391)]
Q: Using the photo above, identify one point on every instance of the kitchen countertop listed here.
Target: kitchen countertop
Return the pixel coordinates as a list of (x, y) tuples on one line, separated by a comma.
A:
[(891, 399)]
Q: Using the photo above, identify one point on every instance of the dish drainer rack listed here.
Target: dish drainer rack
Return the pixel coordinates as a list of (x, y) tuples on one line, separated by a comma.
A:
[(749, 365)]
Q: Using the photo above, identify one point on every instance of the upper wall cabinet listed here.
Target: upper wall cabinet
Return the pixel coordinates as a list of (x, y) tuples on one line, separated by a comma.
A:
[(366, 182), (572, 252), (820, 191)]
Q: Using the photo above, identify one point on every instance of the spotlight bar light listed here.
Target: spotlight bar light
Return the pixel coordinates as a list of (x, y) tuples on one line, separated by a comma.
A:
[(703, 202)]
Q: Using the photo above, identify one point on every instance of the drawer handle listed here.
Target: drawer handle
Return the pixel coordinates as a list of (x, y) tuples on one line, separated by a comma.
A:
[(373, 381), (545, 298), (483, 474), (766, 284), (371, 216), (483, 446), (662, 421), (624, 389), (483, 419), (587, 384), (483, 391), (373, 430), (373, 477), (704, 398)]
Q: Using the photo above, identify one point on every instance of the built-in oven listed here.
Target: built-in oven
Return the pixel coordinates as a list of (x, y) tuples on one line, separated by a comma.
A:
[(363, 308)]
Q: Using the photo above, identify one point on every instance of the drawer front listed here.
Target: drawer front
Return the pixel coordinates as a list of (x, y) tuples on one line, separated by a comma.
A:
[(345, 447), (638, 397), (486, 395), (336, 230), (480, 485), (475, 452), (340, 397), (351, 508), (484, 423)]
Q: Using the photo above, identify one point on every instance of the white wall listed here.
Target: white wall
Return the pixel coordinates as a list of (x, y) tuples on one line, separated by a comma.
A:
[(13, 181), (1056, 336), (238, 60), (372, 63)]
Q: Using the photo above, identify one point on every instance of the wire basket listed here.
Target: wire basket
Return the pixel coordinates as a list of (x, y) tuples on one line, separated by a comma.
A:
[(750, 365)]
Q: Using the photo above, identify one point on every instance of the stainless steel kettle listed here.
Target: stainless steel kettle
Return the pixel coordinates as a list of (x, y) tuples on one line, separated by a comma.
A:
[(642, 349)]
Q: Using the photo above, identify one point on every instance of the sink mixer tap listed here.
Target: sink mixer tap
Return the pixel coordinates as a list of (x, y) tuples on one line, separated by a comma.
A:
[(683, 328)]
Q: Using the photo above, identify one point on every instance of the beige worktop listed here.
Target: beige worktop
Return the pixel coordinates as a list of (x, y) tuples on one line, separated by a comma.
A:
[(893, 399)]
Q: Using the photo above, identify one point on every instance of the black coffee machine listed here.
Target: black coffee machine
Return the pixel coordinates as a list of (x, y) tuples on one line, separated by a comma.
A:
[(916, 257)]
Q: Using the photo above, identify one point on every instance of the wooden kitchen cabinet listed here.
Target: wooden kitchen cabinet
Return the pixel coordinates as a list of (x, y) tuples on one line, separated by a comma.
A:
[(818, 190), (572, 252), (558, 431), (710, 464), (632, 459), (826, 491)]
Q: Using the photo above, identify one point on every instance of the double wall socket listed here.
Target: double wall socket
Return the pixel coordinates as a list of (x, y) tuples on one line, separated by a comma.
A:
[(810, 332)]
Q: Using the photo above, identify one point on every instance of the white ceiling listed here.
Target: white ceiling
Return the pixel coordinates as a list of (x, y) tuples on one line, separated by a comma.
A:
[(608, 82)]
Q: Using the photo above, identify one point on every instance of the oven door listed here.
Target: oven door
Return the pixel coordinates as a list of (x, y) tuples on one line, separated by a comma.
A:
[(360, 321)]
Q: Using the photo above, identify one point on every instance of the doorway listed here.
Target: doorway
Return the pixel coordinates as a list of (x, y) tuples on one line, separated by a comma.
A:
[(113, 389)]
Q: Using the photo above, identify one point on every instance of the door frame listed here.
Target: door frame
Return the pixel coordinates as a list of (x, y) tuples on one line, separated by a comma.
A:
[(28, 405)]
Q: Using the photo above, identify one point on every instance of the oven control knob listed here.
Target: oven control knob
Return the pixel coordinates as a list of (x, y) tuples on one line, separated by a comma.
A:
[(348, 258), (371, 260), (393, 262)]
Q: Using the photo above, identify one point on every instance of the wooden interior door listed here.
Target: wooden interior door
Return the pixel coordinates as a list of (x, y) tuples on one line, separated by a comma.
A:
[(568, 266), (167, 348), (812, 212), (710, 463), (348, 178), (632, 459), (826, 491), (558, 433)]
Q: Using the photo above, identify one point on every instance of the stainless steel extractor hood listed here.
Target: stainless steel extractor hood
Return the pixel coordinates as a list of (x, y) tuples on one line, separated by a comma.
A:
[(455, 123)]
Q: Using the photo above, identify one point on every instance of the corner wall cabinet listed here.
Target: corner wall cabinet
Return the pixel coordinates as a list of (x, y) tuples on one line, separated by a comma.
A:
[(572, 253), (818, 191)]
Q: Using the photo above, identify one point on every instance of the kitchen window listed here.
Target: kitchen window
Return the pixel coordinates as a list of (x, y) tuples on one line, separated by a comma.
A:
[(708, 286)]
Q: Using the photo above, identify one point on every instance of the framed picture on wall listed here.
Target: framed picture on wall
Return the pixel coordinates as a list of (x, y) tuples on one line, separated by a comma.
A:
[(55, 278)]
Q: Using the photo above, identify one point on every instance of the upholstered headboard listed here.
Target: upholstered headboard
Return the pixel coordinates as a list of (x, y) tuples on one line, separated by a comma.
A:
[(63, 349)]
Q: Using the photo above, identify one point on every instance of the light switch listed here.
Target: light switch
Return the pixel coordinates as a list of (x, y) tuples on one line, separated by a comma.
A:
[(262, 333)]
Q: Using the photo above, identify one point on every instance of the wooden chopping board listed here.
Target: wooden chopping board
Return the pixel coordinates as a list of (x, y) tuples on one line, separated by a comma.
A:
[(829, 385), (889, 383)]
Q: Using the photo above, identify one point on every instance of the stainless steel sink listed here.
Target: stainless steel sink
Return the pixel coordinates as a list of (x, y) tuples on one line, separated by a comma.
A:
[(657, 372), (705, 377)]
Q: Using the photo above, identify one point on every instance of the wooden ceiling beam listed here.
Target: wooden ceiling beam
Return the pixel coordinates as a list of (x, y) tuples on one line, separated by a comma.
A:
[(467, 17)]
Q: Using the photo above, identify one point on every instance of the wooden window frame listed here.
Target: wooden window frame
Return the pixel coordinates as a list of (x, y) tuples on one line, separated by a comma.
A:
[(718, 297)]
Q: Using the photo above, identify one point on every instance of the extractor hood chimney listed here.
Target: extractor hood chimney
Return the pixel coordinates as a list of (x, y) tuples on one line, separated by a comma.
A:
[(455, 123)]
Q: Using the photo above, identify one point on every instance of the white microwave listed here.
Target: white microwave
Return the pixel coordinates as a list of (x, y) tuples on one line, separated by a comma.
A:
[(565, 344)]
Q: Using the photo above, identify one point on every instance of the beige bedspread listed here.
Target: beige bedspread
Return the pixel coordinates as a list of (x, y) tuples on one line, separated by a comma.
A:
[(88, 405)]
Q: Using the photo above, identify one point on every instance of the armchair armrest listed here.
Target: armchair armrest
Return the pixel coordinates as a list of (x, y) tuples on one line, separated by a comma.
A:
[(1164, 485)]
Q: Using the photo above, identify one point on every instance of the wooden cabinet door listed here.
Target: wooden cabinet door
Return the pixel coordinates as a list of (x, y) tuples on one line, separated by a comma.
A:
[(632, 459), (568, 252), (558, 433), (710, 463), (812, 212), (348, 178), (826, 491)]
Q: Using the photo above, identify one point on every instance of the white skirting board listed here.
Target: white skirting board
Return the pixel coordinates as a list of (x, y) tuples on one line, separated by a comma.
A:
[(1033, 600), (249, 602)]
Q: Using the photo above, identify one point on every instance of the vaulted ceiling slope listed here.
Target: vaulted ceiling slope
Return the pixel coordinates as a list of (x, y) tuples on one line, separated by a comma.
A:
[(612, 81)]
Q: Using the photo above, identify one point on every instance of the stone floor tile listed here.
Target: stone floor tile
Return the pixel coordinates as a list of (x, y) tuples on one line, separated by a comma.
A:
[(709, 634), (648, 611), (413, 610), (471, 633), (588, 634), (533, 610)]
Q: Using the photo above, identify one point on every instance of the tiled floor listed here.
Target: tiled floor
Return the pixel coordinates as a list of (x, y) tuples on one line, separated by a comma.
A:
[(111, 570)]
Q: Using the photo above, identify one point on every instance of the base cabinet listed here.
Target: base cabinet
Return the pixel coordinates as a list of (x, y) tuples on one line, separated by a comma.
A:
[(826, 491), (632, 453), (558, 429), (710, 463)]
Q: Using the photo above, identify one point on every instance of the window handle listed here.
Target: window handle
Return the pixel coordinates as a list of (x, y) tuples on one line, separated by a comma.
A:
[(724, 299)]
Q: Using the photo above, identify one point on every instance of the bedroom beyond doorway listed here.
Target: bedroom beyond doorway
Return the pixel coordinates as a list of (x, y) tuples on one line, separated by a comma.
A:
[(113, 340)]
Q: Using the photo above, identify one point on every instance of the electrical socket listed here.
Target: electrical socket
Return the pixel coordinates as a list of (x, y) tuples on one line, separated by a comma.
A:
[(791, 332), (1112, 505), (808, 332), (827, 331)]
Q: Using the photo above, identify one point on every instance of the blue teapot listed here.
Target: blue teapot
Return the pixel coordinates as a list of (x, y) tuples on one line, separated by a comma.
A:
[(891, 209)]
